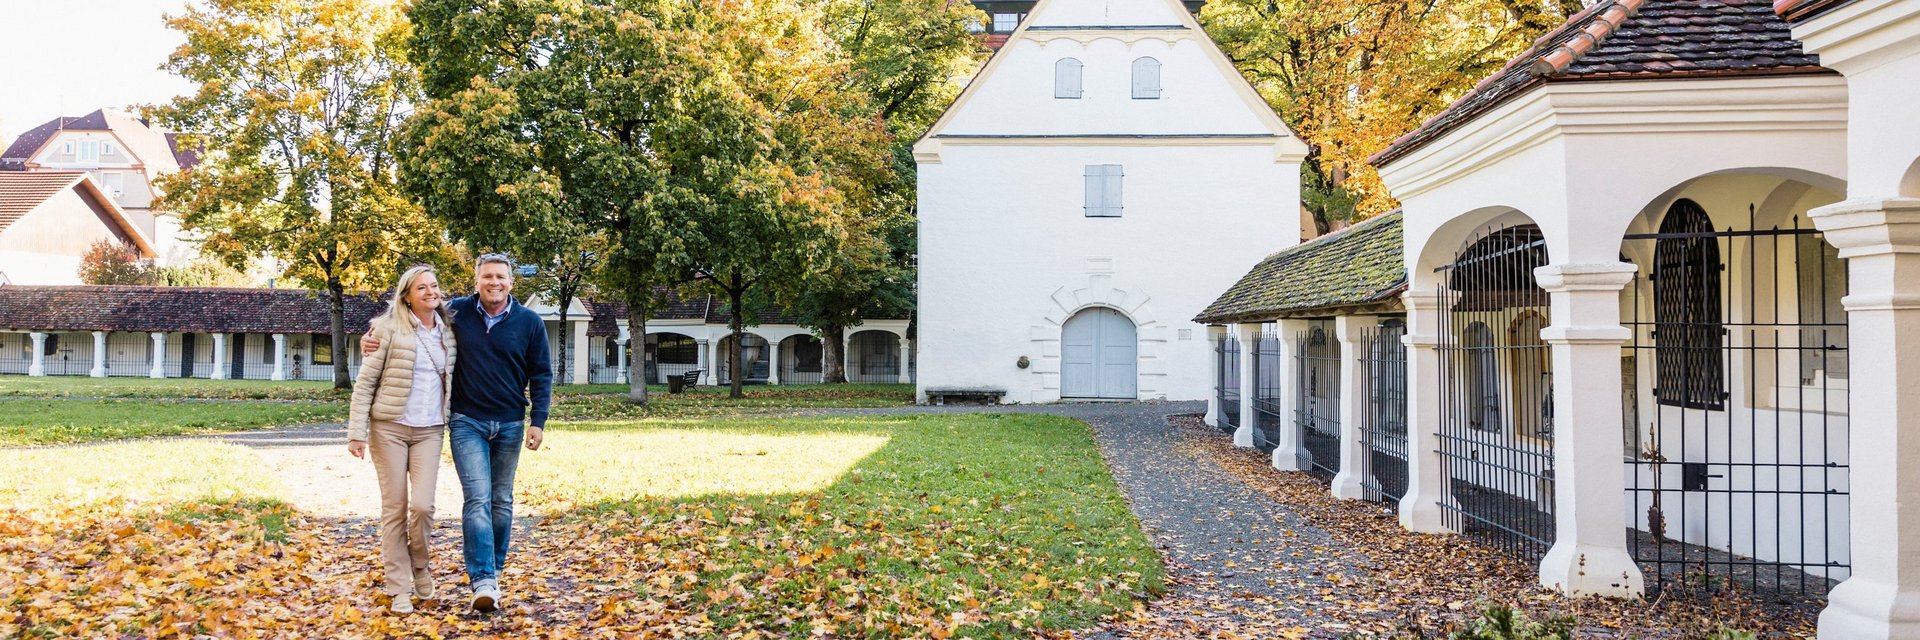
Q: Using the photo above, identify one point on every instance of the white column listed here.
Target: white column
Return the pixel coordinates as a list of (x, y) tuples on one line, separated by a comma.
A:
[(279, 357), (1349, 483), (1427, 485), (99, 355), (708, 363), (1291, 454), (1212, 419), (1881, 241), (580, 352), (220, 368), (1249, 337), (906, 360), (159, 369), (622, 340), (39, 366), (846, 354), (773, 362), (1589, 554)]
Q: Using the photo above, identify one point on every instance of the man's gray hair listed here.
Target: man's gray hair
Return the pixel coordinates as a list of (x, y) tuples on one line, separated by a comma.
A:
[(495, 258)]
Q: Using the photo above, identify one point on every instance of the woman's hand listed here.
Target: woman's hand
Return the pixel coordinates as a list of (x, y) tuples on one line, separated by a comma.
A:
[(358, 448)]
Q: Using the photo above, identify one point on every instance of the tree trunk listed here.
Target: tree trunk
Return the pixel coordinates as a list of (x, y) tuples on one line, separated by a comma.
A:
[(562, 362), (336, 317), (637, 350), (833, 339), (738, 352)]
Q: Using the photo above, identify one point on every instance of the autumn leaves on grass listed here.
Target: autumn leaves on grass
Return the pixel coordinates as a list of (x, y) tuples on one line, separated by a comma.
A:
[(975, 525)]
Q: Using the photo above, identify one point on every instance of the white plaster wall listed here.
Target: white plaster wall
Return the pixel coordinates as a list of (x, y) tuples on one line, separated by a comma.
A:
[(1196, 96), (26, 267), (1006, 255)]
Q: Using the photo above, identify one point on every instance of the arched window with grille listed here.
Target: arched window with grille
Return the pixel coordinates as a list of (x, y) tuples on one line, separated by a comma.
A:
[(1688, 334)]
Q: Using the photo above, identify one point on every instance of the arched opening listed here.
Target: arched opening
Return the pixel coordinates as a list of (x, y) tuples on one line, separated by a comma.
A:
[(1099, 350), (670, 355), (1318, 417), (1734, 388), (873, 356), (1910, 183), (753, 358), (802, 360), (1501, 476)]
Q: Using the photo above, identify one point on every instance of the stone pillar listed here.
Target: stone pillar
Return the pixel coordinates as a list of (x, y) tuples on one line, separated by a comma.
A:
[(1428, 486), (279, 357), (906, 361), (1349, 483), (1291, 454), (1589, 554), (39, 363), (773, 362), (1214, 333), (159, 369), (846, 354), (1880, 239), (709, 359), (220, 367), (99, 355), (621, 351), (1249, 337)]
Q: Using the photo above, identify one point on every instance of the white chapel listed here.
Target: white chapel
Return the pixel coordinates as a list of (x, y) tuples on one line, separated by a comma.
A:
[(1104, 174)]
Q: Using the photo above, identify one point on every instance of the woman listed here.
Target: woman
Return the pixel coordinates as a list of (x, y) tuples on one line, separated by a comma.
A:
[(399, 414)]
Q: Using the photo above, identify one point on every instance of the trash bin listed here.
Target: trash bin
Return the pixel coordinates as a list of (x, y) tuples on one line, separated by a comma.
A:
[(676, 384)]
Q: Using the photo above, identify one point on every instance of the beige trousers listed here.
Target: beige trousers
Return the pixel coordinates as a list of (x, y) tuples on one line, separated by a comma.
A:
[(407, 461)]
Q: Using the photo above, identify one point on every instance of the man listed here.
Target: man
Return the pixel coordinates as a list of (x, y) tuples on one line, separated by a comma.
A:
[(504, 367)]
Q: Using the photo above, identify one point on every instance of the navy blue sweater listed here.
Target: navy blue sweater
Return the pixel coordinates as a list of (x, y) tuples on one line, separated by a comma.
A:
[(500, 369)]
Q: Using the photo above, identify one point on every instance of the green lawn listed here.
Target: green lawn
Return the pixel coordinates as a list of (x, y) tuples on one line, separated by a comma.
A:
[(1012, 521), (54, 421), (78, 387)]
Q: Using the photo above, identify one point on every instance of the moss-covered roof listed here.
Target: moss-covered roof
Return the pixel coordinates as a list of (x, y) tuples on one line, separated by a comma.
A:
[(1359, 265)]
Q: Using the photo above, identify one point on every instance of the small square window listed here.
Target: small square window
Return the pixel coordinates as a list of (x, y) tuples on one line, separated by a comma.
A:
[(1006, 22)]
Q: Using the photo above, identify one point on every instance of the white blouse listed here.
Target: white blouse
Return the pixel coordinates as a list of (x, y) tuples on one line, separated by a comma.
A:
[(429, 361)]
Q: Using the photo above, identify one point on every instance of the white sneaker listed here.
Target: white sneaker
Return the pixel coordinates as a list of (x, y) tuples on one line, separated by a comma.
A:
[(486, 597), (402, 604)]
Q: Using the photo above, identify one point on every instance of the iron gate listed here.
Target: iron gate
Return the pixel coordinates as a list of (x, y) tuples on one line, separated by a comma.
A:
[(1496, 411), (1227, 381), (1317, 387), (1384, 428), (1268, 386), (1736, 428)]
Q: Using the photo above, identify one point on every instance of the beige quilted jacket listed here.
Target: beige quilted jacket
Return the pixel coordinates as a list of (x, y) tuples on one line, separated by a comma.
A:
[(386, 377)]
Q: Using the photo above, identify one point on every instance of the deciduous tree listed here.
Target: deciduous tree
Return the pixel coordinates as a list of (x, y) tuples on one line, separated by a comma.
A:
[(298, 106)]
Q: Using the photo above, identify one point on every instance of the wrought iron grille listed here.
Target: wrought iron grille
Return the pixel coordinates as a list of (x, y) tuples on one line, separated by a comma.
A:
[(1227, 381), (1268, 386), (1384, 427), (1496, 401), (1736, 407), (1317, 389)]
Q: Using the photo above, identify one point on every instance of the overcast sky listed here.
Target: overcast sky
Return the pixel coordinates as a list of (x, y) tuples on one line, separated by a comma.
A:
[(69, 57)]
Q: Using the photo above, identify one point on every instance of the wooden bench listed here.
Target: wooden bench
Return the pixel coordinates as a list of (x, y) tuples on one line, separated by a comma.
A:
[(966, 396)]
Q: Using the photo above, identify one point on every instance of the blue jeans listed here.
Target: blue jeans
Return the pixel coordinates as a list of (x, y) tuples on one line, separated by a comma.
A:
[(485, 454)]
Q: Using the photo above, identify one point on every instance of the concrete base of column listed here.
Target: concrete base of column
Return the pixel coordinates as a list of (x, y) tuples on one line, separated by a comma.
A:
[(1423, 514), (1589, 570), (1871, 611), (1347, 486), (1292, 460), (1212, 419), (1243, 434)]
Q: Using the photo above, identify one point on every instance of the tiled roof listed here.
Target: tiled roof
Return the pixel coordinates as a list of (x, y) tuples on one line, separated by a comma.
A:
[(16, 153), (152, 147), (182, 309), (707, 308), (185, 157), (1632, 40), (21, 192), (1359, 265), (1795, 11)]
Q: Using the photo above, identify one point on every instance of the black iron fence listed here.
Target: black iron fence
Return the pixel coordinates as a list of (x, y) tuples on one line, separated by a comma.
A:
[(1226, 387), (1384, 428), (1496, 411), (1736, 407), (1269, 384), (1317, 396)]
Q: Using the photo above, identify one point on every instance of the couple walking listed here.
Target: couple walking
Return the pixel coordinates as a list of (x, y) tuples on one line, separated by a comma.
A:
[(469, 369)]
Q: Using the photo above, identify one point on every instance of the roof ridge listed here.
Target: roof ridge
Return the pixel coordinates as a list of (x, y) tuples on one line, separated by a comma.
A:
[(1609, 20)]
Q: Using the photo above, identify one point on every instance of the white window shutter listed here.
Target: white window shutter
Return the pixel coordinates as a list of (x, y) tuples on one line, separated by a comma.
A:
[(1066, 78), (1096, 190), (1112, 198), (1146, 79)]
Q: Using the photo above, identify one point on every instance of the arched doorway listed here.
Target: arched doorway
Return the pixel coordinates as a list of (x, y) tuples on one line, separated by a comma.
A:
[(873, 356), (1098, 355), (672, 354), (753, 355), (801, 360)]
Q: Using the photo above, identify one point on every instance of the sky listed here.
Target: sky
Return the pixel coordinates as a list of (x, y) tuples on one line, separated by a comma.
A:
[(70, 57)]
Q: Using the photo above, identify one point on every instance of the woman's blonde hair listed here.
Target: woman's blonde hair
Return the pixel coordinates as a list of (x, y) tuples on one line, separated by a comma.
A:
[(399, 316)]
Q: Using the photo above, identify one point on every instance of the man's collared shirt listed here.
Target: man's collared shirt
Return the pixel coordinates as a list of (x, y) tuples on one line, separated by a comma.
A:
[(493, 319)]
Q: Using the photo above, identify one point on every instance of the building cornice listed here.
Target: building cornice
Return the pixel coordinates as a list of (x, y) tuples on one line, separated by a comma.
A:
[(1863, 34)]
